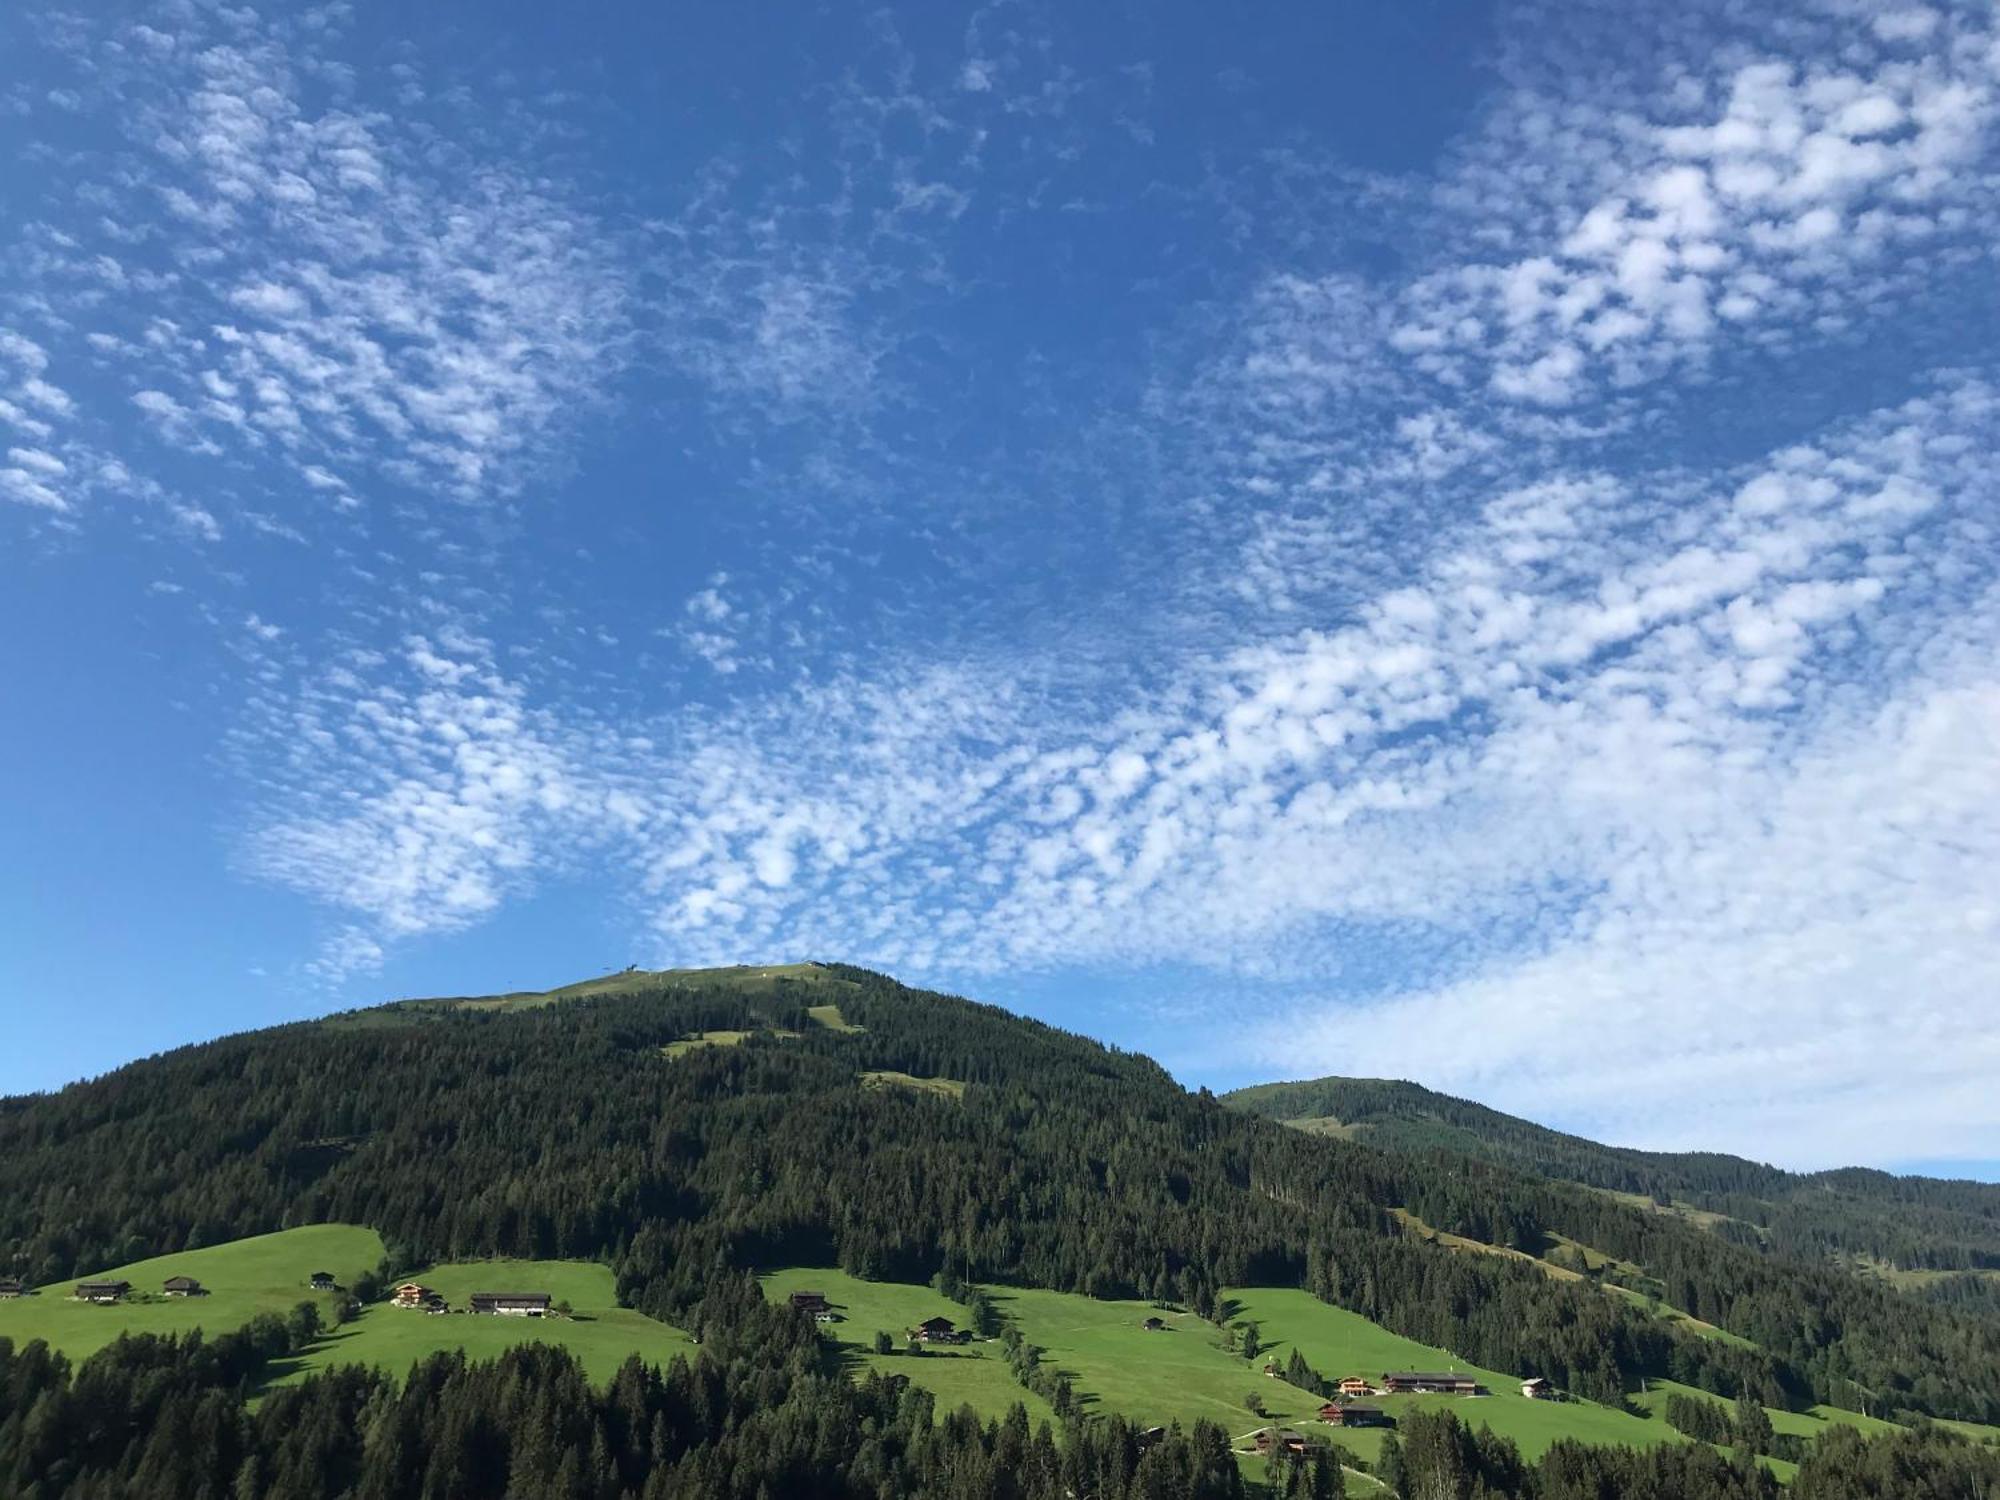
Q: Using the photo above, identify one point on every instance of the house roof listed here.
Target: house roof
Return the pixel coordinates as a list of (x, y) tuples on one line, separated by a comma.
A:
[(510, 1297), (1427, 1375), (937, 1323), (104, 1286), (174, 1281)]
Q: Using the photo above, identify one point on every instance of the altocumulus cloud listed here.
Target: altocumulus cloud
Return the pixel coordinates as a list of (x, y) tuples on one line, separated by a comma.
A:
[(1491, 723)]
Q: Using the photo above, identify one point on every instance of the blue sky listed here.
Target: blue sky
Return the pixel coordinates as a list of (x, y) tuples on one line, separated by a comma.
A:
[(1438, 540)]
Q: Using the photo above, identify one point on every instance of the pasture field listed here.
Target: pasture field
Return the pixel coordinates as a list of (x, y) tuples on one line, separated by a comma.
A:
[(1179, 1374), (974, 1374), (601, 1334), (1806, 1424), (944, 1088), (266, 1273), (1338, 1343), (688, 1044), (830, 1017)]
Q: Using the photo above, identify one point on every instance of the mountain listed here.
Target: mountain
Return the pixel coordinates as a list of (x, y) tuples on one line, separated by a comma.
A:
[(1867, 1219), (686, 1129)]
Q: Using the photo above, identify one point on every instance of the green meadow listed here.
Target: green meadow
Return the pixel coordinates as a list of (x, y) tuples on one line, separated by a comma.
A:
[(944, 1088), (973, 1374), (1338, 1343), (749, 979), (266, 1273), (600, 1333), (1806, 1424)]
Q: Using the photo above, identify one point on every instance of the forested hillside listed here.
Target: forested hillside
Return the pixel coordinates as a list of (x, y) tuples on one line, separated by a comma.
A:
[(1918, 1223), (563, 1129)]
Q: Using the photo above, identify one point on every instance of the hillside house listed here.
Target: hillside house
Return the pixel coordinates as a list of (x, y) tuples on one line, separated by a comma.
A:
[(102, 1291), (183, 1286), (1354, 1385), (1282, 1440), (1154, 1325), (322, 1281), (512, 1304), (937, 1331), (1272, 1369), (1433, 1382), (1149, 1438), (413, 1294), (1535, 1388), (811, 1302), (10, 1289), (1353, 1414)]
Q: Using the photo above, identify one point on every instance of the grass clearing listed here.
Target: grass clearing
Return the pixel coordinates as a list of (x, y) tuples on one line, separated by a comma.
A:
[(601, 1334), (749, 979), (1338, 1343), (1180, 1374), (974, 1375), (1481, 1247), (689, 1044), (830, 1017), (1701, 1218), (266, 1273), (1808, 1424), (1184, 1373), (946, 1088)]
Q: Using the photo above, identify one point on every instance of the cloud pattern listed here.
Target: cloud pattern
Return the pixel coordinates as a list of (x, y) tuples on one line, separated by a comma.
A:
[(1470, 710)]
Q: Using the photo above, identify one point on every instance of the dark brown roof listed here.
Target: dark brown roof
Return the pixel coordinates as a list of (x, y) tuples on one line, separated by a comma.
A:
[(511, 1297), (181, 1283), (1429, 1377), (936, 1323), (104, 1286)]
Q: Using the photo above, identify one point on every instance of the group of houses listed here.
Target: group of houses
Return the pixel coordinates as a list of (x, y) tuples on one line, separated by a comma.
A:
[(414, 1294), (117, 1291)]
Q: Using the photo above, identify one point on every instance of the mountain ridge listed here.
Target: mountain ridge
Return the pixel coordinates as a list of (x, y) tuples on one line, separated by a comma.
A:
[(581, 1130), (1908, 1222)]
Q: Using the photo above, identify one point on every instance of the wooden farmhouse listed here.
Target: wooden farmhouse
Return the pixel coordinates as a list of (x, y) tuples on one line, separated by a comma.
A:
[(1535, 1388), (1354, 1385), (512, 1304), (10, 1289), (815, 1305), (1154, 1325), (1282, 1440), (322, 1281), (937, 1331), (102, 1291), (413, 1294), (183, 1286), (1447, 1383), (1353, 1414)]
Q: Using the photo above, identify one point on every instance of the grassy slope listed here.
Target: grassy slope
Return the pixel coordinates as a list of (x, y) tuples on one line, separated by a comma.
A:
[(749, 978), (602, 1334), (947, 1088), (1339, 1343), (1180, 1374), (1805, 1424), (265, 1273), (974, 1374)]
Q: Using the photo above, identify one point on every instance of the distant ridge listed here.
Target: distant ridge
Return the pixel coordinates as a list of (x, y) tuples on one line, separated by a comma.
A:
[(1873, 1220)]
